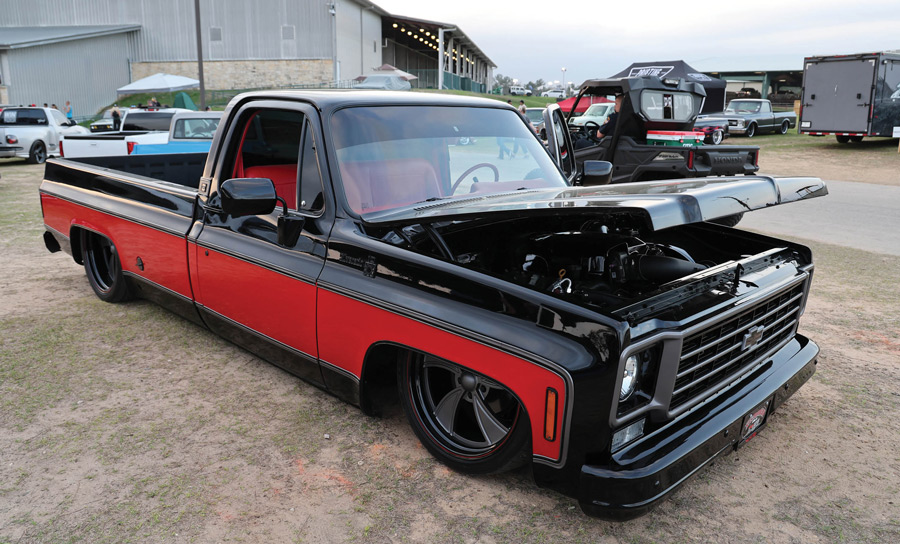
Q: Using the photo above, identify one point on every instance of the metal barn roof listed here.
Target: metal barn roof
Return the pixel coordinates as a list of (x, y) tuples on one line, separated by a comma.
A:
[(17, 37)]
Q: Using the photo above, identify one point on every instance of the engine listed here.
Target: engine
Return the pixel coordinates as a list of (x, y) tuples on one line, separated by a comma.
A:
[(597, 266)]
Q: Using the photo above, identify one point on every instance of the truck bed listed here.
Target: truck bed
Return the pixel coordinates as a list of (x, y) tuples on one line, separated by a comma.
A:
[(179, 168)]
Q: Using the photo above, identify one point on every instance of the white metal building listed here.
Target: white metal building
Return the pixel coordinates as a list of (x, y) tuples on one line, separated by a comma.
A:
[(57, 50)]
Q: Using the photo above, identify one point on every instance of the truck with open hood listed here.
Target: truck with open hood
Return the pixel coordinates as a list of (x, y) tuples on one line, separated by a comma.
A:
[(520, 313)]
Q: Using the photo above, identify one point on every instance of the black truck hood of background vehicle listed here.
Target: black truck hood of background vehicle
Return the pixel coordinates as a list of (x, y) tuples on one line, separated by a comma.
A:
[(662, 204)]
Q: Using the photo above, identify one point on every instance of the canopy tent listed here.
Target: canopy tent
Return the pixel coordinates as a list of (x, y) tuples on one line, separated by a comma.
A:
[(159, 83), (388, 70), (715, 88), (583, 104), (183, 100)]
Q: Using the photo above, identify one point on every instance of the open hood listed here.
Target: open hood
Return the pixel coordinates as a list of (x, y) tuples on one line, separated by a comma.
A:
[(662, 204)]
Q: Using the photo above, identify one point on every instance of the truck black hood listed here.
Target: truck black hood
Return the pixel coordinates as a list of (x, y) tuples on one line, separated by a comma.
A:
[(663, 204)]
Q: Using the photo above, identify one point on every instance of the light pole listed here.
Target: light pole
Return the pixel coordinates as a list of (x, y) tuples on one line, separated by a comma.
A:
[(566, 91)]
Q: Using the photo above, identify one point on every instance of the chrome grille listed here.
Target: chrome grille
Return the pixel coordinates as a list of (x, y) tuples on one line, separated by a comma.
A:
[(720, 352)]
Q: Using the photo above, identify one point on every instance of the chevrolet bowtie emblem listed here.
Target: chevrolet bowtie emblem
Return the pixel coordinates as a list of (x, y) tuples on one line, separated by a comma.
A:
[(752, 338)]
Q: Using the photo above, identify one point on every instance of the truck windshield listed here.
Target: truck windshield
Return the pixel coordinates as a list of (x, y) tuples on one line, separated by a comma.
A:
[(396, 156), (743, 106)]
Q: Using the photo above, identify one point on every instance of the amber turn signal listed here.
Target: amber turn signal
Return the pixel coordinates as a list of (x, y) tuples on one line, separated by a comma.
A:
[(550, 415)]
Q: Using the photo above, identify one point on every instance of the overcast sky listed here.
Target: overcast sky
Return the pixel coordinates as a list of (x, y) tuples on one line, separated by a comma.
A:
[(530, 40)]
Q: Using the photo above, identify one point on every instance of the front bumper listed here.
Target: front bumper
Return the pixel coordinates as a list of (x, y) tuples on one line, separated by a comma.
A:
[(642, 474), (737, 130)]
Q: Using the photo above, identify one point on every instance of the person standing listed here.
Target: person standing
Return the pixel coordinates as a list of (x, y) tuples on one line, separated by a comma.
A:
[(68, 111), (116, 117)]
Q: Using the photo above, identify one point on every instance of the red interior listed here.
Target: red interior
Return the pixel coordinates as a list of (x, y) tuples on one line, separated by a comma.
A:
[(283, 175), (372, 185)]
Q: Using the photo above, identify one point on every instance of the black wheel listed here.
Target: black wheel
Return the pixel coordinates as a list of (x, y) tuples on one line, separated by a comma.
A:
[(38, 153), (729, 220), (716, 137), (856, 139), (842, 139), (785, 126), (103, 268), (751, 130), (467, 421)]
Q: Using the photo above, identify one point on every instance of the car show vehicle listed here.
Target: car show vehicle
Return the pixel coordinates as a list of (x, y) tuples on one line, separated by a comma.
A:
[(653, 104), (104, 123), (597, 113), (34, 133), (754, 116), (536, 118), (135, 122), (519, 90), (608, 335), (851, 96), (714, 129), (189, 132)]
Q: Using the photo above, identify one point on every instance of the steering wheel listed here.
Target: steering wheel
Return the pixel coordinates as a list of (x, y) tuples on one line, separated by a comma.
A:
[(472, 169), (590, 130)]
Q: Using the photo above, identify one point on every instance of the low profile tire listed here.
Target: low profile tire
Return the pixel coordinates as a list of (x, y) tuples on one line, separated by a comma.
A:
[(467, 421), (856, 139), (785, 126), (38, 153), (751, 130), (716, 137), (103, 268), (842, 139), (729, 220)]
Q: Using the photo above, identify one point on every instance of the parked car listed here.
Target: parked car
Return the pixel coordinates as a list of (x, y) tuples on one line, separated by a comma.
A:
[(596, 113), (519, 90), (608, 336), (189, 132), (714, 129), (135, 121), (34, 133), (754, 116), (554, 93), (105, 123), (536, 118)]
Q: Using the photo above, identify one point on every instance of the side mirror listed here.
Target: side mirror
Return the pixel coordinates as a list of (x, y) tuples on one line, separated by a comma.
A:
[(597, 173), (248, 196)]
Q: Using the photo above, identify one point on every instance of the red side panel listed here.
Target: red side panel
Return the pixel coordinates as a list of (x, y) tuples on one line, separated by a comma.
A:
[(279, 306), (348, 327), (163, 254)]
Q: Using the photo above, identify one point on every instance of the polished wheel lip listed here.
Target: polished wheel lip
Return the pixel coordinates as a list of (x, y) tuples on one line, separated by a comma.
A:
[(466, 406)]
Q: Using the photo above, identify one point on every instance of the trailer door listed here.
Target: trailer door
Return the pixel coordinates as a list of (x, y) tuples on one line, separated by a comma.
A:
[(837, 95)]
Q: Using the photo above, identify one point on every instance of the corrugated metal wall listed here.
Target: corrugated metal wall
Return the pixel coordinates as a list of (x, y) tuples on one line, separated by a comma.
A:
[(245, 30), (359, 39), (88, 70)]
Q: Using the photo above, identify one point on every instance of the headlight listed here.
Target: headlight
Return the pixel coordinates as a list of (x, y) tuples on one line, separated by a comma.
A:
[(629, 378), (740, 123)]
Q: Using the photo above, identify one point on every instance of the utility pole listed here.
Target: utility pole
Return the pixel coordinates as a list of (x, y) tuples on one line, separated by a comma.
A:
[(200, 55)]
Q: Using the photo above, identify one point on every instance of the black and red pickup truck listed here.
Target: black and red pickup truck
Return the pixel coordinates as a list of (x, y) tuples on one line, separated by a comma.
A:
[(607, 334)]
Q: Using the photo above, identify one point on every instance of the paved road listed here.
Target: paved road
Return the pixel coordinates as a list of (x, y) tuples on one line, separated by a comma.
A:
[(860, 215)]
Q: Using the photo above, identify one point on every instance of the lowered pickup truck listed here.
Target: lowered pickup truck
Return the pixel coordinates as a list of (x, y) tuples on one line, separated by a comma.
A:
[(135, 122), (752, 116), (607, 334)]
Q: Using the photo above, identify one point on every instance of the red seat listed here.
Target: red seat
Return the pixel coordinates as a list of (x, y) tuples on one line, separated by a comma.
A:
[(371, 185), (284, 176)]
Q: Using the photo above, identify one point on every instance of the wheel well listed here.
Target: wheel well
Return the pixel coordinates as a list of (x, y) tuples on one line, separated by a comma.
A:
[(378, 384), (75, 240)]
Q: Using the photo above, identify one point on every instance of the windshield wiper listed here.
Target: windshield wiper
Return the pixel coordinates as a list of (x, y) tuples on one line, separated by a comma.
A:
[(433, 199)]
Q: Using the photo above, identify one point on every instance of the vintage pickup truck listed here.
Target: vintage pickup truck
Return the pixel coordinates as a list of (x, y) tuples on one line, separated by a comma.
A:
[(607, 334), (752, 116)]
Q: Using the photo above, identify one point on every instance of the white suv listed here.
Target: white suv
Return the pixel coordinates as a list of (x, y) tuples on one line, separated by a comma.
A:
[(519, 90), (556, 93)]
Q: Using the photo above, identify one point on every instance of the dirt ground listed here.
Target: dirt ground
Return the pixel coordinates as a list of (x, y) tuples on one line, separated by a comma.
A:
[(124, 423)]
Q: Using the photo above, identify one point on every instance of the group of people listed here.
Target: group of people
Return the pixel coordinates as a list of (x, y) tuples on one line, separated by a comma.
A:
[(503, 142), (68, 109)]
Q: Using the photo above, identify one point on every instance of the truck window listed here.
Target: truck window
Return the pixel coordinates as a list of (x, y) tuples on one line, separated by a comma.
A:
[(148, 121), (199, 129), (269, 147), (24, 117), (667, 106), (59, 117), (312, 198), (765, 107)]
